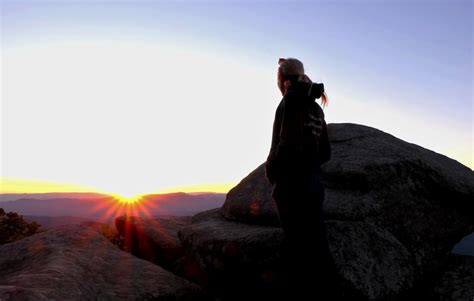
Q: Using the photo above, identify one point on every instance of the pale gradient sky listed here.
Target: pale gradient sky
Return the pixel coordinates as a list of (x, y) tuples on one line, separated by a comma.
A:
[(135, 97)]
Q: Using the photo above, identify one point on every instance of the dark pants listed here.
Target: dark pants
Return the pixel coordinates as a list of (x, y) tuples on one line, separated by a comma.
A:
[(308, 264)]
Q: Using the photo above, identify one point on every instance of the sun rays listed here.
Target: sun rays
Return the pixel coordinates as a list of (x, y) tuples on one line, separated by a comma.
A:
[(117, 205), (128, 199)]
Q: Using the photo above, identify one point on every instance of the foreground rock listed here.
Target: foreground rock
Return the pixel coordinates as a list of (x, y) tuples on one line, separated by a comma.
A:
[(234, 256), (154, 239), (394, 211), (229, 253), (76, 263), (457, 282)]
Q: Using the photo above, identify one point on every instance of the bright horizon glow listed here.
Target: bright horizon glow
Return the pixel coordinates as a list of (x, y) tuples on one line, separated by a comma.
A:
[(132, 200), (136, 98), (9, 185), (15, 185)]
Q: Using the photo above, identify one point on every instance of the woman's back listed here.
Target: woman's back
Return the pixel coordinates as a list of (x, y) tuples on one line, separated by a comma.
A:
[(302, 144)]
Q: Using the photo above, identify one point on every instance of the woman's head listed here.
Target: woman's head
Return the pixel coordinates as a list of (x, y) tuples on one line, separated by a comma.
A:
[(291, 68)]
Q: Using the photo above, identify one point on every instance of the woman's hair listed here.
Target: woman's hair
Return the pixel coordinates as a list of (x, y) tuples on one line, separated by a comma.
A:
[(290, 67)]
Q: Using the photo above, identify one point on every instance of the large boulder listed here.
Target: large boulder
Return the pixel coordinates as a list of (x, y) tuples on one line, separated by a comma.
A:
[(154, 239), (238, 258), (394, 211), (424, 199), (77, 263)]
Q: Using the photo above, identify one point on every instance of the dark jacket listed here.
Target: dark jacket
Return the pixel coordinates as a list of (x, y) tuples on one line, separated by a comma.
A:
[(300, 142)]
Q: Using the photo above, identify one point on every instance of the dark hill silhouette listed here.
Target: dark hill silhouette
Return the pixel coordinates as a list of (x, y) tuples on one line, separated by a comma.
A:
[(5, 197), (105, 209)]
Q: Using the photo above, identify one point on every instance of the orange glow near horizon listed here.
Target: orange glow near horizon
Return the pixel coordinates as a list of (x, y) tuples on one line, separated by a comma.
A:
[(116, 205), (128, 200), (17, 185)]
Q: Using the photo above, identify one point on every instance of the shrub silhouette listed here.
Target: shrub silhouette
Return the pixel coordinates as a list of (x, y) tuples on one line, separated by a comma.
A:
[(14, 227)]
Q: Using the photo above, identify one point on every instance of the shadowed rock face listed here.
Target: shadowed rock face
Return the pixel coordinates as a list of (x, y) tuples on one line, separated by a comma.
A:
[(76, 263), (231, 258), (371, 259), (457, 282), (153, 239), (251, 200), (394, 211), (372, 263), (423, 198)]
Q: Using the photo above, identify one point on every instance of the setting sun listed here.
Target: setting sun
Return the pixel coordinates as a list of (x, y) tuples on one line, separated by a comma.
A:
[(128, 199)]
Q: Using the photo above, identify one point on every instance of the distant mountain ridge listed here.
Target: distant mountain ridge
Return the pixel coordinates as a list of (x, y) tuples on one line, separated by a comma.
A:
[(105, 208), (6, 197)]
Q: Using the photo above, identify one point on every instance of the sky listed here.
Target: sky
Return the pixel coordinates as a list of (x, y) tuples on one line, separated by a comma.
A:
[(134, 97)]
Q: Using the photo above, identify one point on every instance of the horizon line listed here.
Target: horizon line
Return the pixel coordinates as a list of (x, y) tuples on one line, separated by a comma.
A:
[(11, 185)]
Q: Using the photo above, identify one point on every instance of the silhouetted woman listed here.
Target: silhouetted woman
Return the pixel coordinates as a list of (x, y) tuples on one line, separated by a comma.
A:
[(299, 146)]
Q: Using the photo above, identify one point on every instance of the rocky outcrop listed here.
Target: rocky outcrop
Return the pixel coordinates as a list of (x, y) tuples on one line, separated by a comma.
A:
[(250, 255), (231, 252), (153, 239), (77, 263), (457, 281), (251, 200), (394, 211), (423, 198)]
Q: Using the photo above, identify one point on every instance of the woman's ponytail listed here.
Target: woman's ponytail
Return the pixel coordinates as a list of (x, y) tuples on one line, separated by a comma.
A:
[(324, 99)]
